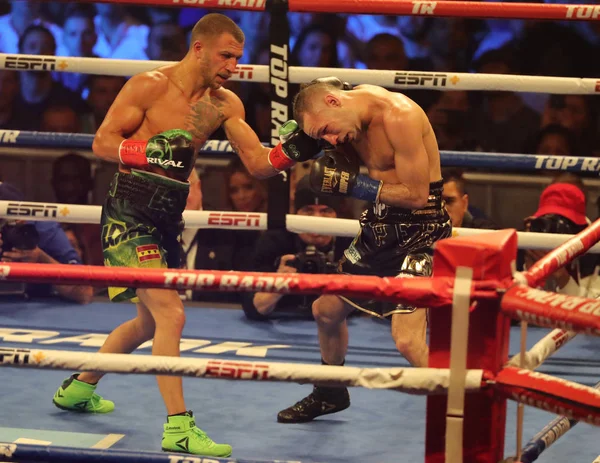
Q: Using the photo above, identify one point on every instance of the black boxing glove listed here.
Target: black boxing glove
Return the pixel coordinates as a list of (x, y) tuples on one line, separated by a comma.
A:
[(332, 80), (336, 174), (294, 146), (172, 150)]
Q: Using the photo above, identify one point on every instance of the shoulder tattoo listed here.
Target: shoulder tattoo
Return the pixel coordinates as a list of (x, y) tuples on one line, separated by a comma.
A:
[(206, 115)]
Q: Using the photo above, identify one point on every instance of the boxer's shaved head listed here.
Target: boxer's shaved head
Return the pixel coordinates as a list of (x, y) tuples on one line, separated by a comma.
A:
[(213, 25), (309, 98)]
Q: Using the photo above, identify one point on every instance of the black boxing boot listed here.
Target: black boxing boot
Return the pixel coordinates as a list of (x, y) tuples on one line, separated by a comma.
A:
[(322, 401)]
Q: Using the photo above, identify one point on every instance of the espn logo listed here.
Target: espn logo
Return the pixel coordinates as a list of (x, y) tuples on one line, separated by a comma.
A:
[(235, 219), (244, 72), (237, 370), (31, 210), (25, 63), (420, 80), (14, 356)]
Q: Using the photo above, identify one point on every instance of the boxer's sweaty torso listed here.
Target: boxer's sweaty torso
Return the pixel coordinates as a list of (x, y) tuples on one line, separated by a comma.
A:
[(200, 115), (142, 214), (395, 241), (375, 149)]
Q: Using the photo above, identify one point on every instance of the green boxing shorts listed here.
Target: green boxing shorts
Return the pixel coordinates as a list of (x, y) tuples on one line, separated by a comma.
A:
[(141, 224)]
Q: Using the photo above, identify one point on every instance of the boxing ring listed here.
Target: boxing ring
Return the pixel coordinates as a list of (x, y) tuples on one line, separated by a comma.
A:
[(473, 295)]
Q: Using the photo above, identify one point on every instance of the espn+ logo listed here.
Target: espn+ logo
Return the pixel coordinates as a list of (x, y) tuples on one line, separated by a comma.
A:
[(27, 63)]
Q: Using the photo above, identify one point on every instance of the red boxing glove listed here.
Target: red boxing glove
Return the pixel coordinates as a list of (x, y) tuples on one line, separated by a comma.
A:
[(133, 153)]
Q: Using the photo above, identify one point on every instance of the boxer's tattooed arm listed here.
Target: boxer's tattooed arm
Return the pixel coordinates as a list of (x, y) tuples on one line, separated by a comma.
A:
[(205, 117)]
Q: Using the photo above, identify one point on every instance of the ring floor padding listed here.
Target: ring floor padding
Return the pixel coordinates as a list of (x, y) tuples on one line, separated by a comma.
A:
[(379, 427)]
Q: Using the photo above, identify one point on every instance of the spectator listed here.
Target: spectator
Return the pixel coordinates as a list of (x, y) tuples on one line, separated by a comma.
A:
[(72, 179), (578, 114), (166, 42), (450, 116), (258, 99), (48, 244), (38, 90), (453, 42), (316, 46), (120, 36), (279, 250), (386, 51), (60, 119), (364, 27), (158, 15), (102, 92), (72, 182), (79, 39), (457, 203), (561, 210), (10, 117), (504, 112), (220, 249), (71, 234), (556, 140), (23, 14)]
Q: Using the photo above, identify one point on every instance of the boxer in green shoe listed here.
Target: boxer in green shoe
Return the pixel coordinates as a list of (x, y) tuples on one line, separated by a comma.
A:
[(153, 130)]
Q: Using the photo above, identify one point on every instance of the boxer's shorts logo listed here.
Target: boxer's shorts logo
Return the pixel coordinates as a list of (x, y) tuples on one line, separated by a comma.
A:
[(147, 252)]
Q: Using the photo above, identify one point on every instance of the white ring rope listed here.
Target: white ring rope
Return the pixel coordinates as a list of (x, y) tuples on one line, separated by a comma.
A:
[(418, 381), (543, 349), (76, 213), (298, 75)]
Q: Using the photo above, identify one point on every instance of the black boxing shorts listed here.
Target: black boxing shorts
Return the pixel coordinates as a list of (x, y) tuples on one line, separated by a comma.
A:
[(396, 242)]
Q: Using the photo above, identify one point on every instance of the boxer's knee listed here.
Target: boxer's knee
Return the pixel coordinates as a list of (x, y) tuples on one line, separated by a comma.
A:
[(408, 344), (409, 332), (166, 309), (328, 311), (145, 329)]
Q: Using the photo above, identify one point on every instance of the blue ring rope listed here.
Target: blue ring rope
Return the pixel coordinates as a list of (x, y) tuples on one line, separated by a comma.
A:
[(557, 428), (496, 161)]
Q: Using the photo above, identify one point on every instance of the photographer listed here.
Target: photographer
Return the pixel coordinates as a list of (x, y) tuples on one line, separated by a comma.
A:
[(562, 209), (41, 243), (285, 252)]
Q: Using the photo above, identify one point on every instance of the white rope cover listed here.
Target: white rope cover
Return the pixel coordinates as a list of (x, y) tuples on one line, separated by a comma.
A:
[(298, 75), (409, 380), (75, 213), (543, 349)]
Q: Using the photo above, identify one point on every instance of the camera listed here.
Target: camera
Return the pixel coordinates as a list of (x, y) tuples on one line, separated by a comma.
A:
[(19, 235), (312, 261), (554, 223)]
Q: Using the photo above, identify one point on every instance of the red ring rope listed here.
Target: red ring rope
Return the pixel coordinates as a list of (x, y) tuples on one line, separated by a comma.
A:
[(442, 8)]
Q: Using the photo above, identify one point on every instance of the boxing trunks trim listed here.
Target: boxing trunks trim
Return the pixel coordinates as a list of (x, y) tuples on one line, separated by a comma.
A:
[(141, 224), (396, 242)]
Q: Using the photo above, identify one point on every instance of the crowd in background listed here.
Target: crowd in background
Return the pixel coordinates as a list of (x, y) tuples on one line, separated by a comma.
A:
[(484, 121)]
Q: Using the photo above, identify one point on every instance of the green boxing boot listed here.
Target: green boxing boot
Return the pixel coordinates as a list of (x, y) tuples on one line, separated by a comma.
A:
[(182, 435), (77, 396)]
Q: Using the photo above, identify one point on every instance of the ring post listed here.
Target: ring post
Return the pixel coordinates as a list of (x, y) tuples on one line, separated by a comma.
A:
[(489, 257)]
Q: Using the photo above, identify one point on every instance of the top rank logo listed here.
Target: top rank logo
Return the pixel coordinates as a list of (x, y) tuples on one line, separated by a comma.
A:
[(27, 63), (583, 12), (256, 4)]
